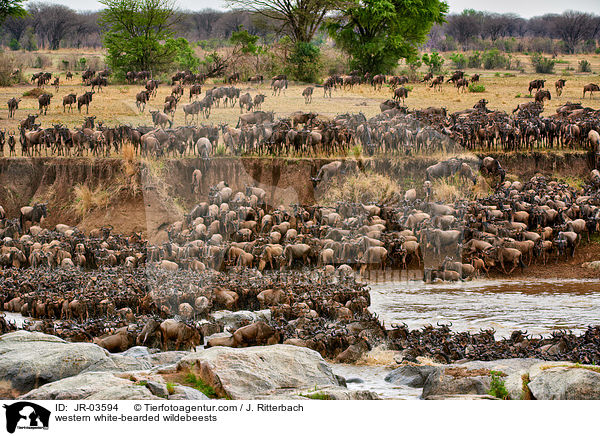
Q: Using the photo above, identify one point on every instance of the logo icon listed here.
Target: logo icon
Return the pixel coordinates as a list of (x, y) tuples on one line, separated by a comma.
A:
[(26, 415)]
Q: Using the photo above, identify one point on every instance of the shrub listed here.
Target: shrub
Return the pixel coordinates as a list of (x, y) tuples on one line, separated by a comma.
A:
[(433, 61), (542, 65), (459, 59), (497, 387), (494, 60), (197, 383), (14, 44), (475, 87), (584, 66), (304, 63), (474, 60), (7, 66)]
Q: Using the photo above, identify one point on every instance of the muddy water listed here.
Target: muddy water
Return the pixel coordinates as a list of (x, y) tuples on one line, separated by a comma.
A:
[(538, 306)]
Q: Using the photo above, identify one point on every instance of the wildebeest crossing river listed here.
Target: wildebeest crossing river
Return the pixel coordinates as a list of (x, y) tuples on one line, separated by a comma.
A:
[(538, 306)]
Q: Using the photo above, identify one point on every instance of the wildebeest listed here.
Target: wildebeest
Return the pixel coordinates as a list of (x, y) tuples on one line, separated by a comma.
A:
[(160, 119), (69, 100), (196, 181), (141, 99), (536, 84), (259, 99), (400, 93), (475, 78), (307, 94), (13, 105), (559, 85), (437, 83), (85, 100), (278, 86), (257, 117), (183, 334), (456, 76), (33, 214), (246, 102), (44, 102), (462, 84), (591, 88), (542, 95), (195, 90)]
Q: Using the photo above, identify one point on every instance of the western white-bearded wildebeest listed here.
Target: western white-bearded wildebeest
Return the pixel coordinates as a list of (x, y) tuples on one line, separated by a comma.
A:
[(160, 119), (259, 99), (246, 102), (191, 109), (475, 78), (427, 78), (307, 94), (87, 75), (300, 117), (141, 99), (443, 169), (152, 87), (541, 95), (69, 75), (456, 76), (504, 255), (437, 83), (492, 167), (258, 333), (257, 117), (466, 172), (328, 171), (44, 102), (397, 81), (69, 100), (183, 334), (195, 90), (196, 181), (278, 86), (536, 84), (591, 88), (256, 79), (378, 80), (226, 298), (203, 147), (373, 257), (85, 100), (13, 105), (559, 85), (400, 94), (33, 214), (98, 82), (120, 341), (462, 84), (297, 251)]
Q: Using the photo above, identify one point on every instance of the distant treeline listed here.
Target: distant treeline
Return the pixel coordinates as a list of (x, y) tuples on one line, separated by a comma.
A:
[(51, 26)]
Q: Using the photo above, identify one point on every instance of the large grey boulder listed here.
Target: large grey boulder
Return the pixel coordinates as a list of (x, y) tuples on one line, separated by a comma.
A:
[(566, 383), (473, 378), (187, 393), (91, 386), (31, 359), (410, 375), (235, 320), (246, 373)]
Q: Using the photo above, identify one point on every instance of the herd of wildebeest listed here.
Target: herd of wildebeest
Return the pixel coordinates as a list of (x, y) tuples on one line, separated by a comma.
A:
[(395, 130), (304, 263)]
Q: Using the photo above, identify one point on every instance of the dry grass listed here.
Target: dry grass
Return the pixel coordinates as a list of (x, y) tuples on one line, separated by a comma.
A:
[(361, 188), (116, 104), (87, 199)]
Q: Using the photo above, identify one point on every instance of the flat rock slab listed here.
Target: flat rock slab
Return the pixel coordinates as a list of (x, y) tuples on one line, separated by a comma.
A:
[(247, 373), (31, 359), (91, 386)]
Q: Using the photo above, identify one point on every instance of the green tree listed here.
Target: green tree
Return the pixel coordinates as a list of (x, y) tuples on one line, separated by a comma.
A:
[(137, 34), (11, 8), (248, 44), (304, 62), (377, 33), (433, 61), (185, 58)]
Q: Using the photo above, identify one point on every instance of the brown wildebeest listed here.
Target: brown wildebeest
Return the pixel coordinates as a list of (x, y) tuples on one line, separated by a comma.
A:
[(307, 94), (427, 78), (69, 100), (160, 119), (44, 102), (196, 181), (456, 76), (56, 83), (256, 79), (437, 83), (69, 75), (152, 87), (536, 84), (183, 334), (279, 85), (85, 100), (541, 95), (259, 333), (400, 94), (378, 81), (195, 90), (246, 102), (397, 81), (233, 78), (462, 84), (141, 99), (259, 99), (13, 105), (475, 78), (98, 82), (559, 85), (591, 88)]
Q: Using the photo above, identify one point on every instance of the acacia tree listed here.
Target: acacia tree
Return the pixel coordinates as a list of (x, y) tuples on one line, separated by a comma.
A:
[(574, 28), (52, 22), (300, 19), (137, 32), (377, 33)]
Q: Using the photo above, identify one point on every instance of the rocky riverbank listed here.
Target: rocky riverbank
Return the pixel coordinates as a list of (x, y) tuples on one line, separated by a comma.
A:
[(43, 367)]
